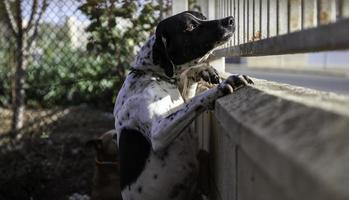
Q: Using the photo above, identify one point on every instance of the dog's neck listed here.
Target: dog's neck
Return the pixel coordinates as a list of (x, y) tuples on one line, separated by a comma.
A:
[(144, 58)]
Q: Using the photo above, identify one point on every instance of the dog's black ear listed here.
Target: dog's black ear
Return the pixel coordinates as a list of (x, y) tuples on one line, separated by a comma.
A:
[(197, 14), (160, 54)]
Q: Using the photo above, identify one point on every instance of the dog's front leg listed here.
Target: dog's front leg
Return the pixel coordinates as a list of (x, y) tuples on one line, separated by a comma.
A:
[(165, 130)]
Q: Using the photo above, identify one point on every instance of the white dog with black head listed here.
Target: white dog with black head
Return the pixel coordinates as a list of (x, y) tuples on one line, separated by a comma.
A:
[(158, 150)]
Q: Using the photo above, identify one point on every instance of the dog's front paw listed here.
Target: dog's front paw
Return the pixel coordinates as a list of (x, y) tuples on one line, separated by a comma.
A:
[(210, 75), (234, 82)]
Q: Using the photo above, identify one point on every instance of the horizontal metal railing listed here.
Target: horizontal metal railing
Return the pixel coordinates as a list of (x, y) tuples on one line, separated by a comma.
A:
[(274, 27)]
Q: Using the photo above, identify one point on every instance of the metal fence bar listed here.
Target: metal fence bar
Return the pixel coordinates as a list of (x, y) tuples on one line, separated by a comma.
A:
[(277, 17), (268, 18), (288, 16), (318, 12), (260, 18), (253, 19), (230, 14), (302, 14), (244, 21), (238, 31), (235, 21), (248, 20)]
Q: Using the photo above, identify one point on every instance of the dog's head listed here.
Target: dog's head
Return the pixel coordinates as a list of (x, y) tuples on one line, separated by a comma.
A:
[(105, 147), (106, 181), (188, 36)]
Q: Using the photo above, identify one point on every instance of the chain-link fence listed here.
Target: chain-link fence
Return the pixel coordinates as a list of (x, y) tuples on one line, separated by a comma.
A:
[(59, 67), (73, 51)]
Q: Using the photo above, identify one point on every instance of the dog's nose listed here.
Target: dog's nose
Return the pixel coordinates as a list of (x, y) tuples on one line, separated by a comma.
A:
[(229, 21)]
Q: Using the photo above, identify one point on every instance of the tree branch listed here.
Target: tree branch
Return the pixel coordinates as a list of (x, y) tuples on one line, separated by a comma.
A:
[(32, 15), (36, 24), (19, 18), (9, 17)]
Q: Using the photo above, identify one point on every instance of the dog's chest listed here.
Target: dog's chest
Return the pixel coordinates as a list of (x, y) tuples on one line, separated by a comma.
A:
[(143, 100), (165, 98)]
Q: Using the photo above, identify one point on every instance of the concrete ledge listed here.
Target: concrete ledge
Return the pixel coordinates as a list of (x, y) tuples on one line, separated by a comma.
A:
[(275, 141)]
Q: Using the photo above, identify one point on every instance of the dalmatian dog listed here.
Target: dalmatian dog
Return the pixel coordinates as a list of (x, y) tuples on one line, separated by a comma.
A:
[(157, 146)]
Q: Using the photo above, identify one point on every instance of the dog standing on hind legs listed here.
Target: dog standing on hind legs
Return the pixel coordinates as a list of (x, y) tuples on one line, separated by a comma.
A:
[(157, 147)]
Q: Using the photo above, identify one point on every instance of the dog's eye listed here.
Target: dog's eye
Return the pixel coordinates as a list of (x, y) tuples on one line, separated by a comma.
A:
[(190, 27)]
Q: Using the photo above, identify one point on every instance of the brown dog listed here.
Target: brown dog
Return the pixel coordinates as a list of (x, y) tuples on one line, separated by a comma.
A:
[(106, 180)]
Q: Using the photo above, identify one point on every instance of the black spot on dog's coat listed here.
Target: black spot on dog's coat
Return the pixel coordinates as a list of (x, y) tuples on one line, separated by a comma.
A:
[(134, 150), (166, 153), (140, 189), (176, 190), (191, 165), (172, 115)]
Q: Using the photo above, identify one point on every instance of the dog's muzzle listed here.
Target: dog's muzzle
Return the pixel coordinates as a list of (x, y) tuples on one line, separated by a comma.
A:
[(228, 26)]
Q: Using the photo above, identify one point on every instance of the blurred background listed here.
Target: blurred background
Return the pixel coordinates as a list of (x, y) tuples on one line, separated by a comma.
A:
[(61, 65)]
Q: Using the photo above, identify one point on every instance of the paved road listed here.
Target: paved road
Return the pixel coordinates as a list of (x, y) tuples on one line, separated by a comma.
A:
[(336, 84)]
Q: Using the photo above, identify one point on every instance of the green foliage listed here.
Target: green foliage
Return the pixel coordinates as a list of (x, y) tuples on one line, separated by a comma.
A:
[(6, 61), (76, 76), (5, 84), (60, 74), (68, 76), (118, 26)]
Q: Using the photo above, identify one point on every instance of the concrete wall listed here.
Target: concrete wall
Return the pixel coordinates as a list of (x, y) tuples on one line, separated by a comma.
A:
[(274, 141)]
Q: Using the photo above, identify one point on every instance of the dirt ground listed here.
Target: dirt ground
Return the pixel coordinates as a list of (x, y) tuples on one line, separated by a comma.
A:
[(49, 159)]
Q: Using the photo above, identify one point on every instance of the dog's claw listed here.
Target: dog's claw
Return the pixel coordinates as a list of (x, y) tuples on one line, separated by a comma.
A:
[(248, 79), (210, 75), (235, 82)]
